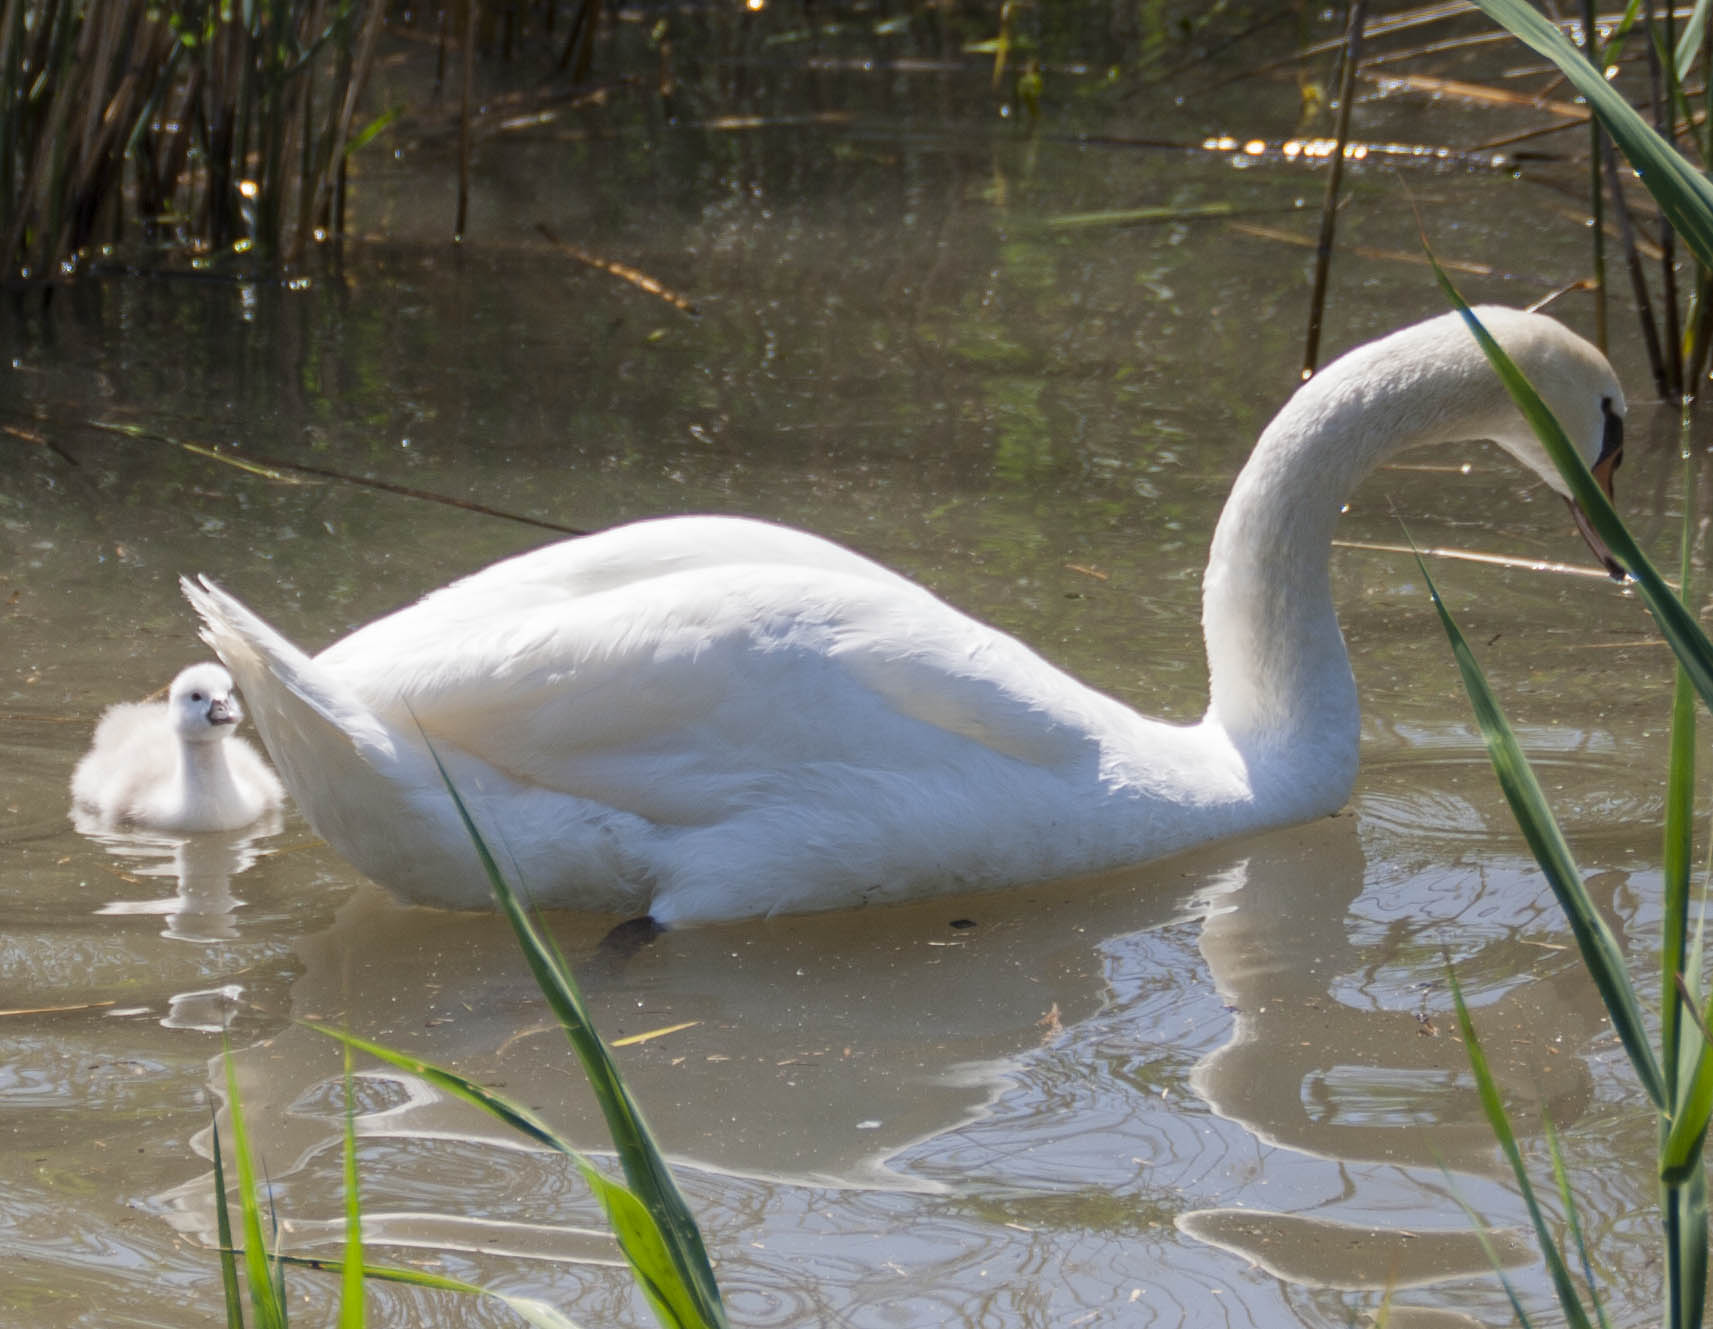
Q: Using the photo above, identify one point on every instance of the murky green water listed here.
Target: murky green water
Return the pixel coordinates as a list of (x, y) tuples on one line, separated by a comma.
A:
[(1215, 1090)]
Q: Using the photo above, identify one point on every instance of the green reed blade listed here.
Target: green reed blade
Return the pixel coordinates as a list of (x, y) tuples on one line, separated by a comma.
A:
[(1569, 1303), (1479, 1225), (1685, 1209), (223, 1234), (1690, 39), (1679, 847), (351, 1309), (1567, 1202), (639, 1235), (1540, 829), (537, 1313), (258, 1270), (1682, 633), (1680, 1156), (644, 1166), (1683, 193)]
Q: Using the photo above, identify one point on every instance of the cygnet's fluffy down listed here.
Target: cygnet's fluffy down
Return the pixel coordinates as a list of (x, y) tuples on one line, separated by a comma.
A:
[(175, 765)]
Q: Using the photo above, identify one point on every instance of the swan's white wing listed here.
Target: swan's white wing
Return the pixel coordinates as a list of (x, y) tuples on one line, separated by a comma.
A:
[(314, 728), (684, 696)]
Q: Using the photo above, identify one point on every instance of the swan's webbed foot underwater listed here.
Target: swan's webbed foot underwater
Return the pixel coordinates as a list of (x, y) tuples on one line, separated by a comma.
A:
[(627, 938)]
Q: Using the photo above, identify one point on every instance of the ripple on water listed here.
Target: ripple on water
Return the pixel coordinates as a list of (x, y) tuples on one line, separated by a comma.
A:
[(1320, 1252), (1453, 795)]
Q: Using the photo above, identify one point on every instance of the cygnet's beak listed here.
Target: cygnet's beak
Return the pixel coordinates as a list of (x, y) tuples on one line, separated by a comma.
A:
[(223, 710), (1604, 468)]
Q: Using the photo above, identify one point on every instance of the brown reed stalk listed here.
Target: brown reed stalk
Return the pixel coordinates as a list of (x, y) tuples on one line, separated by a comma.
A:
[(1335, 176), (232, 122)]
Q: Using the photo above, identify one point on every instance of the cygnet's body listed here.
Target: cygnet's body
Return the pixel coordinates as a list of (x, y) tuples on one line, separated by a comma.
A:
[(175, 765), (704, 718)]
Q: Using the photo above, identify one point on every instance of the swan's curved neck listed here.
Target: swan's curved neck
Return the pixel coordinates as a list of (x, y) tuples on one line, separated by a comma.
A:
[(1279, 679)]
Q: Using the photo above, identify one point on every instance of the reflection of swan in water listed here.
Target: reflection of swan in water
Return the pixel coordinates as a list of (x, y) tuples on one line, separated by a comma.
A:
[(868, 1050), (201, 866), (1322, 1063), (709, 718), (818, 1047)]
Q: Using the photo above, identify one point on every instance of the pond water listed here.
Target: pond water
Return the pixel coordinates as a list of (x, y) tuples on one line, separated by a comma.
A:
[(1215, 1090)]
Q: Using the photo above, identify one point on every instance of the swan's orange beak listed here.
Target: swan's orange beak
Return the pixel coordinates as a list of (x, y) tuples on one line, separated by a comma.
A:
[(1604, 468)]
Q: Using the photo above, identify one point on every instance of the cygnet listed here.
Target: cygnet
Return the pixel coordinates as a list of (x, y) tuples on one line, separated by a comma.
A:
[(175, 765)]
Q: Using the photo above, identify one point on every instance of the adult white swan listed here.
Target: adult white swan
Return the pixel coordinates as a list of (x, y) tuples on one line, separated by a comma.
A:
[(703, 718)]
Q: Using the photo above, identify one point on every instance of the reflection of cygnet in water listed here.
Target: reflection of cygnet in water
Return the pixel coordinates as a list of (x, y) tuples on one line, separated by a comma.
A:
[(174, 765), (202, 865)]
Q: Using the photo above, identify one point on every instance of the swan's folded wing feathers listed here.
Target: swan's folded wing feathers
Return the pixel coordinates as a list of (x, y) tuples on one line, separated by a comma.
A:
[(708, 689)]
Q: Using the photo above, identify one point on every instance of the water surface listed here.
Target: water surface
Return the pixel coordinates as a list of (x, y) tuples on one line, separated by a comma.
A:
[(1217, 1089)]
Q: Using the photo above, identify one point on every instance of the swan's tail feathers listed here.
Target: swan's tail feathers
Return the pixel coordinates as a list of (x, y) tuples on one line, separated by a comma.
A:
[(296, 705)]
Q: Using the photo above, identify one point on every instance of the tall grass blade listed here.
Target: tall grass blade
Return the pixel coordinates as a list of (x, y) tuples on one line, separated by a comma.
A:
[(1574, 1314), (351, 1314), (1683, 193), (1679, 848), (223, 1233), (1479, 1226), (638, 1234), (1682, 633), (259, 1272), (1528, 805), (1680, 1157), (644, 1166), (537, 1313), (1567, 1201), (1685, 1204), (1690, 39)]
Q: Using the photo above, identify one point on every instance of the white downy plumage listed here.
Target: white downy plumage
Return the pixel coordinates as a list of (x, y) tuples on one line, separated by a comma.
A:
[(175, 765)]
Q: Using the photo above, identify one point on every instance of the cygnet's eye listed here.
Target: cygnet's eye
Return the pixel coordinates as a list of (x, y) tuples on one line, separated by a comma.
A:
[(196, 696)]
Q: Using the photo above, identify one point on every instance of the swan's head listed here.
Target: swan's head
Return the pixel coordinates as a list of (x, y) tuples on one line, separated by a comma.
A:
[(202, 705), (1577, 383)]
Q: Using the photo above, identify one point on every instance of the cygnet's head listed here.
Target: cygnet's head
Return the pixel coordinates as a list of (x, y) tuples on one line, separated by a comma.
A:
[(203, 707)]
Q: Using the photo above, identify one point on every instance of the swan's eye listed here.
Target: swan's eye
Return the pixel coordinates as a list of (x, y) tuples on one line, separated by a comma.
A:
[(196, 696)]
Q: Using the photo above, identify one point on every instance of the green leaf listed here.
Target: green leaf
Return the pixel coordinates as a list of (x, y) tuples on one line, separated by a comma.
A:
[(351, 1310), (691, 1287), (258, 1270), (1683, 193), (1682, 633), (1567, 1203), (223, 1233), (538, 1313), (364, 135), (1568, 1301), (638, 1234), (1679, 848), (1534, 818), (1680, 1156)]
